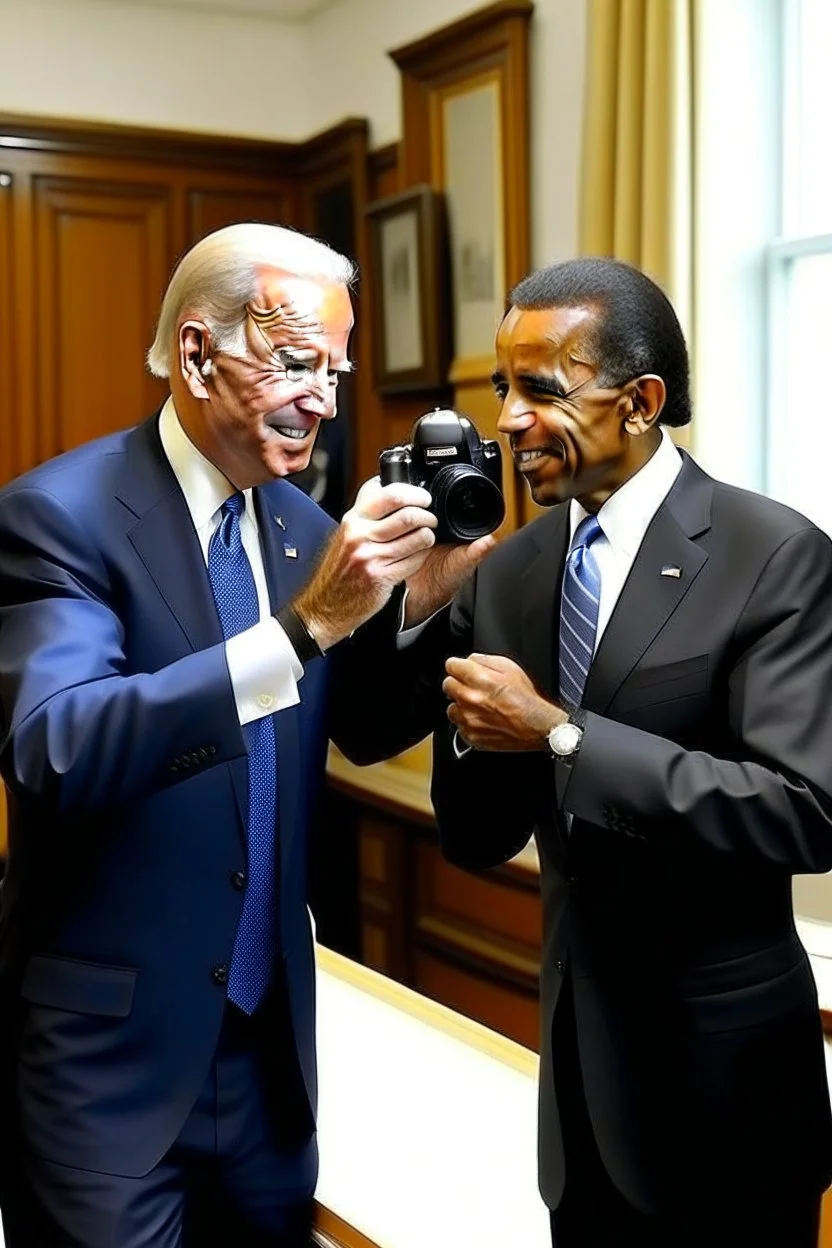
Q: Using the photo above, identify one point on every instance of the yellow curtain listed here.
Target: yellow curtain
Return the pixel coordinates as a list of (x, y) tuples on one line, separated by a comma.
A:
[(637, 170)]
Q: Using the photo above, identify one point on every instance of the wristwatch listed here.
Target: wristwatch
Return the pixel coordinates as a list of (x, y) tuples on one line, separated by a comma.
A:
[(564, 740)]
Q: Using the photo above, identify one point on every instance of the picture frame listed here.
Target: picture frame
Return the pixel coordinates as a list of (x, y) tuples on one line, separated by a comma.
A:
[(409, 292)]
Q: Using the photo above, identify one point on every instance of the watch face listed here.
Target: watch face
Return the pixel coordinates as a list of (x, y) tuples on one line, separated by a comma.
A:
[(564, 739)]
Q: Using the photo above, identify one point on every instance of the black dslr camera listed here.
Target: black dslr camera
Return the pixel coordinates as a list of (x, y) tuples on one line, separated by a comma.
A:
[(461, 470)]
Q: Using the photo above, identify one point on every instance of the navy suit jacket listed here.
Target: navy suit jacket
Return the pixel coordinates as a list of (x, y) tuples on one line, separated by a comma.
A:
[(126, 767)]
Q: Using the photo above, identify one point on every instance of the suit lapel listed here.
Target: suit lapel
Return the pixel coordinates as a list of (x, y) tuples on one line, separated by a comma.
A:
[(165, 539), (540, 592), (648, 598)]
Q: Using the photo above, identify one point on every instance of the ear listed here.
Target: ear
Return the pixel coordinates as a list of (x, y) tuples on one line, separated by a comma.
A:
[(646, 396), (195, 364)]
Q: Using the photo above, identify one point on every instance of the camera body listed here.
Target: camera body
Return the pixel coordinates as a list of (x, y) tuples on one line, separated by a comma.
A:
[(461, 471)]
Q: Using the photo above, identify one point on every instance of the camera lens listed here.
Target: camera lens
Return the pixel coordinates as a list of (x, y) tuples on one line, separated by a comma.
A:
[(467, 504)]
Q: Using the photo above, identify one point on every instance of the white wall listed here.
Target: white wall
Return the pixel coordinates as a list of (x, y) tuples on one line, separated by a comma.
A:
[(354, 76), (119, 61), (103, 60)]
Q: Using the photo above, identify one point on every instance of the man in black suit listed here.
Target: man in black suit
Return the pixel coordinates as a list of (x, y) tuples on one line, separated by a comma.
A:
[(649, 696)]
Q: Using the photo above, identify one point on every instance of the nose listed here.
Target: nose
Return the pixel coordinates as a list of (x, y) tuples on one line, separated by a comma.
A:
[(516, 416), (320, 399)]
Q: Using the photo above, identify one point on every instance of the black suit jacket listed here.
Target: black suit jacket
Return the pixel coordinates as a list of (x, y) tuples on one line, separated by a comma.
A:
[(704, 782)]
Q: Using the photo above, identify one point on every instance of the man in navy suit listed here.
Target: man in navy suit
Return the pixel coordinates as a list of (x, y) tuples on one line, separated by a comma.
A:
[(157, 688)]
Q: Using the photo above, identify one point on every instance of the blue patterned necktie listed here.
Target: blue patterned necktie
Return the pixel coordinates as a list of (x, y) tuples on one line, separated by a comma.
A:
[(235, 594), (580, 599)]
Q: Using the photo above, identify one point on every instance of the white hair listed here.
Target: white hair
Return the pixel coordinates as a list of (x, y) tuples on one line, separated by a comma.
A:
[(219, 275)]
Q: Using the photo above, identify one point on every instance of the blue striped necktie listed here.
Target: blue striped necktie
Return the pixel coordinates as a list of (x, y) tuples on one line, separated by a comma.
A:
[(580, 599), (235, 594)]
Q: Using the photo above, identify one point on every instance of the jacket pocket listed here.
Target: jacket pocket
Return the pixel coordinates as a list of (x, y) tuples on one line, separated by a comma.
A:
[(664, 683), (81, 987)]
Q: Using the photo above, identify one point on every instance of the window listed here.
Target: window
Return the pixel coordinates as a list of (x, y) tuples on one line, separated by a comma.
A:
[(798, 441)]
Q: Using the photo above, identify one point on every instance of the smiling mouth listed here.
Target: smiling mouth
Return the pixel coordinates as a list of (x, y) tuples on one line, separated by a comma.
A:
[(295, 435), (292, 432)]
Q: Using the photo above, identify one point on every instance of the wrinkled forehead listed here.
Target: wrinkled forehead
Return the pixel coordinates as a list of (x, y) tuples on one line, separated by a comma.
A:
[(289, 308), (559, 338)]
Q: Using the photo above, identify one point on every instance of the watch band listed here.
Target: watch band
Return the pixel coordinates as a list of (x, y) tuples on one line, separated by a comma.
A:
[(303, 643)]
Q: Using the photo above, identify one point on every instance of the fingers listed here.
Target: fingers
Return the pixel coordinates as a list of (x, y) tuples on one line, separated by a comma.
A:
[(405, 520), (477, 671), (375, 501)]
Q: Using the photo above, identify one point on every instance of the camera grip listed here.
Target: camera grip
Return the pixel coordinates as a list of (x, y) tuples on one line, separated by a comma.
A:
[(394, 465)]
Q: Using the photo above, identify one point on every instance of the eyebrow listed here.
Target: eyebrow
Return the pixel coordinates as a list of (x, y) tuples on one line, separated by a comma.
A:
[(549, 385), (305, 354)]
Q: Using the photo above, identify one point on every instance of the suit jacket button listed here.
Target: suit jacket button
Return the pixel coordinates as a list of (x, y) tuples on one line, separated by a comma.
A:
[(212, 749), (220, 975), (560, 966), (238, 880)]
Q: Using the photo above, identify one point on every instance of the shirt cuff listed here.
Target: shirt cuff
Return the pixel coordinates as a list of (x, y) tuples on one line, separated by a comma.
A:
[(264, 671), (406, 636), (461, 747)]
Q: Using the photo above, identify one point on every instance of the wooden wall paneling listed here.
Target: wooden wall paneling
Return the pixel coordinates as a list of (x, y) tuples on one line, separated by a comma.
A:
[(7, 303), (212, 207), (492, 903), (386, 904), (383, 172), (102, 258), (22, 415)]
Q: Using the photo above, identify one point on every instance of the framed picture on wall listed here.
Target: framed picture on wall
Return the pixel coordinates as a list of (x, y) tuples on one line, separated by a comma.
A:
[(409, 292)]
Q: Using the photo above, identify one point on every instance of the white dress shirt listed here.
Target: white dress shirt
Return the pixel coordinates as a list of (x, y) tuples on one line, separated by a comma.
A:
[(262, 663), (624, 519)]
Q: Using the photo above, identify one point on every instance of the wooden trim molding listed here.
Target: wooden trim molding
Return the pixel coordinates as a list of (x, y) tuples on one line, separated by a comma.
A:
[(460, 33), (268, 157), (383, 159), (89, 138), (330, 1231)]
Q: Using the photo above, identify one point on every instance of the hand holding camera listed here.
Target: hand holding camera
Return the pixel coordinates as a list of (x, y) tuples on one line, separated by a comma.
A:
[(425, 520), (382, 540)]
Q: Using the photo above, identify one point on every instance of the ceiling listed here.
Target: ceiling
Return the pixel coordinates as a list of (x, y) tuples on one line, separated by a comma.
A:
[(281, 10)]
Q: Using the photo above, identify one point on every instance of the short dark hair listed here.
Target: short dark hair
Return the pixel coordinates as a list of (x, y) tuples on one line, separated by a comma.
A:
[(637, 329)]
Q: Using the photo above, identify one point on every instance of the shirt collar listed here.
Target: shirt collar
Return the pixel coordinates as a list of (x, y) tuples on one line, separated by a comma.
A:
[(626, 515), (203, 485)]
